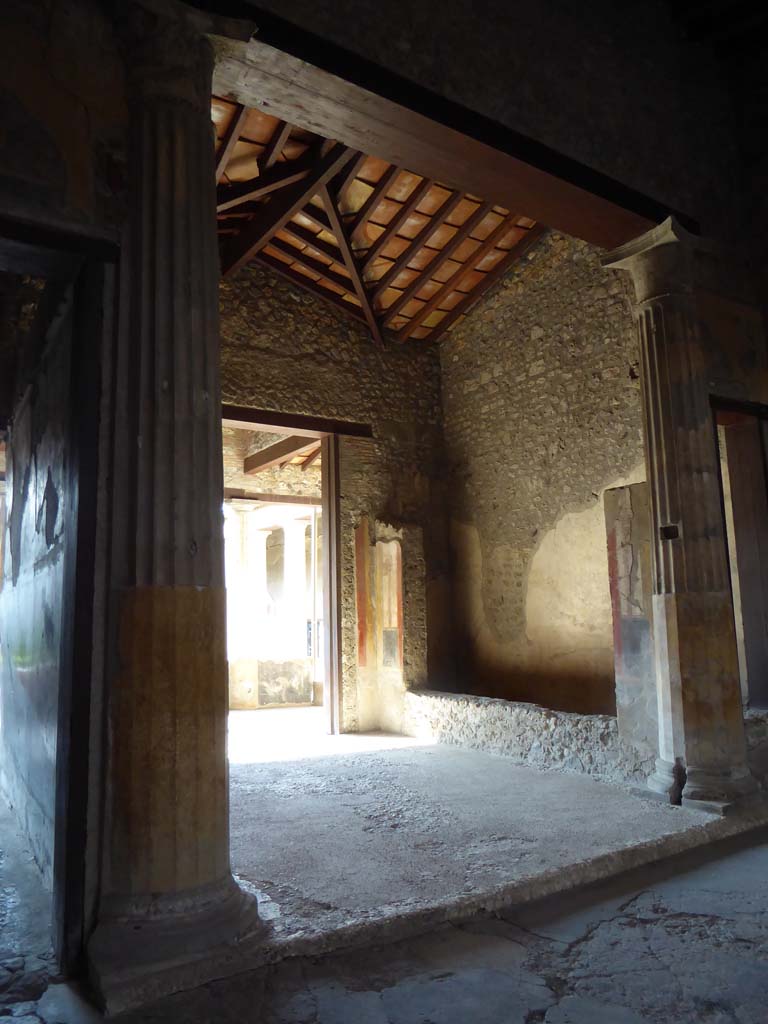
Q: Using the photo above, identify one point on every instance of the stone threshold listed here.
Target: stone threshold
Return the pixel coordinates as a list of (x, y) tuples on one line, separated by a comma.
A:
[(397, 922)]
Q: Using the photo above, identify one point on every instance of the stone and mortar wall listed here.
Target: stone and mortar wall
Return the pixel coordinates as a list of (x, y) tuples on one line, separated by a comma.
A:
[(284, 349), (541, 401), (531, 735)]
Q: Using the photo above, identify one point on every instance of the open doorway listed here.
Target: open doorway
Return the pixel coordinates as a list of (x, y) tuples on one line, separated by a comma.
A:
[(283, 681), (274, 603), (741, 434)]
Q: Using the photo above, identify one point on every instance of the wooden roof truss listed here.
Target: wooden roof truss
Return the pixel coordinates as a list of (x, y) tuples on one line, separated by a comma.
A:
[(402, 254)]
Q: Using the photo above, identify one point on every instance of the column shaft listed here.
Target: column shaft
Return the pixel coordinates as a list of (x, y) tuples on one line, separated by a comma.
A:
[(701, 729), (167, 884)]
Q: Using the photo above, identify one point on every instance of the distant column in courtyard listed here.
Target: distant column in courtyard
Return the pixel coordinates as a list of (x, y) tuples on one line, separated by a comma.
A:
[(701, 729), (295, 589), (256, 574), (168, 892)]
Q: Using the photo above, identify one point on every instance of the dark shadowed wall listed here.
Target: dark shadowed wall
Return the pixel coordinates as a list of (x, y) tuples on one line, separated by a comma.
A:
[(608, 84)]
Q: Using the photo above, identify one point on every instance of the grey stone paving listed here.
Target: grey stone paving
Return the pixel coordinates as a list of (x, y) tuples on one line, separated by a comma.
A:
[(26, 960), (683, 942), (669, 943), (663, 945)]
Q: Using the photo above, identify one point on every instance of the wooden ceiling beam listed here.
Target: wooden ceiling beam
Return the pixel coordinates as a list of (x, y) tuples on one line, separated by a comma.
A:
[(275, 145), (229, 196), (280, 209), (311, 458), (353, 267), (446, 142), (311, 286), (230, 139), (400, 217), (492, 276), (449, 205), (366, 211), (438, 260), (310, 263), (277, 453), (457, 278)]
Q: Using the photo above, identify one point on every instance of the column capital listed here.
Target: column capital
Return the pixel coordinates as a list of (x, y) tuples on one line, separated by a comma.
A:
[(660, 261)]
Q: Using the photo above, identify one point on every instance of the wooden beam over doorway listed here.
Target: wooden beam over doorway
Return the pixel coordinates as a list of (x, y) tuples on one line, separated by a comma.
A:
[(271, 421), (270, 499)]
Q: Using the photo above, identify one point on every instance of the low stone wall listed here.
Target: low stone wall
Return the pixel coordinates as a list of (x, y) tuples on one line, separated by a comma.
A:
[(261, 684), (528, 733)]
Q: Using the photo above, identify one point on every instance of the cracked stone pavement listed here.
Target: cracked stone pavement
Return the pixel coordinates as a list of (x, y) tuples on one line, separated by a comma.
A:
[(676, 942)]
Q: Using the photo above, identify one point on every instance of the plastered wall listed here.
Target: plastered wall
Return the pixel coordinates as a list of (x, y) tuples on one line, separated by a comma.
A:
[(62, 143), (541, 401)]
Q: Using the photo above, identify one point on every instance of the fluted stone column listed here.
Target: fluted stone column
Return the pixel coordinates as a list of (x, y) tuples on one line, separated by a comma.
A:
[(702, 747), (168, 892)]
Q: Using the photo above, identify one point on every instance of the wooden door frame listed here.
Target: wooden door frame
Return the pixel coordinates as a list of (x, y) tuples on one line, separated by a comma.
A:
[(73, 756), (330, 483)]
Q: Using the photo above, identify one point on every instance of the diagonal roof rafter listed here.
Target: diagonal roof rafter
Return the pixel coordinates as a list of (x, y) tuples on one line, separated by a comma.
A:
[(280, 210), (353, 267)]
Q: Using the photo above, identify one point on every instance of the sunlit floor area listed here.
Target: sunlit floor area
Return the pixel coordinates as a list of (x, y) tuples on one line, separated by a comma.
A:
[(358, 832), (290, 734)]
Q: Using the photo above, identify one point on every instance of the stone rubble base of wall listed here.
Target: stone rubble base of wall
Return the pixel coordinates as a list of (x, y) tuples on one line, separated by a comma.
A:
[(530, 734)]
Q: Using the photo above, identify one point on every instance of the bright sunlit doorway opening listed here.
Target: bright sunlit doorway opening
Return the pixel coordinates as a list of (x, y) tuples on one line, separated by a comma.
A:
[(276, 591)]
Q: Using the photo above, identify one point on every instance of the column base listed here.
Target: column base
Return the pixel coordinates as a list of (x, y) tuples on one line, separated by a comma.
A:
[(147, 948), (667, 780), (714, 791)]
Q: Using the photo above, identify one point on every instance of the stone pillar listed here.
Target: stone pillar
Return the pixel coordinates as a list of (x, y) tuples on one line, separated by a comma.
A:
[(256, 561), (701, 730), (295, 588), (167, 890)]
